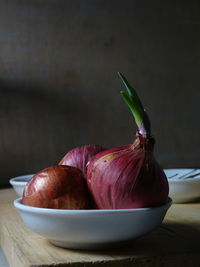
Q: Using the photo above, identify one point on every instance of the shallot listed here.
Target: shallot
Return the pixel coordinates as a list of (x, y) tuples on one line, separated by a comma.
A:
[(129, 176), (79, 156), (57, 187)]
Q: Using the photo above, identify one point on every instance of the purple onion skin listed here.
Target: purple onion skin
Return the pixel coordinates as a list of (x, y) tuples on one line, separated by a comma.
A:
[(79, 156), (126, 178)]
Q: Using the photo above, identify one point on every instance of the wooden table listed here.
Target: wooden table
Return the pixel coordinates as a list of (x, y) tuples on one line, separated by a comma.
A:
[(176, 243)]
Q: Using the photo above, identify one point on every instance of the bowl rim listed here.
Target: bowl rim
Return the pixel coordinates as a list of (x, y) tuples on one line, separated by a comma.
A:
[(14, 180), (175, 180), (17, 203)]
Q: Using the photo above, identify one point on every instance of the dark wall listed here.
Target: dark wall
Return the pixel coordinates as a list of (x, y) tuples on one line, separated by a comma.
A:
[(58, 83)]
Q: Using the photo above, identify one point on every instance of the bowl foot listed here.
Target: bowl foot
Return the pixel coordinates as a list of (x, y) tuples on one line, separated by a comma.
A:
[(92, 246)]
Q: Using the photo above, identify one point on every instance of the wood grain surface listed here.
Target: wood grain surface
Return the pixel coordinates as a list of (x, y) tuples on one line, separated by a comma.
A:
[(175, 243)]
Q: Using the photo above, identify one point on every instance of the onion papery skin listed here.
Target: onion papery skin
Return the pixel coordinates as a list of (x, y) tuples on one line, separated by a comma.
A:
[(79, 156), (127, 177), (57, 187)]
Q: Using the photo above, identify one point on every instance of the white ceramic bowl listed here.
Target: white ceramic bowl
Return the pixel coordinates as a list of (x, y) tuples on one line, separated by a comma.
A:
[(184, 184), (20, 182), (91, 229)]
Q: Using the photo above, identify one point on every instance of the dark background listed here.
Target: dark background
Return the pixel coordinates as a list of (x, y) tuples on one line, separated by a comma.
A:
[(58, 83)]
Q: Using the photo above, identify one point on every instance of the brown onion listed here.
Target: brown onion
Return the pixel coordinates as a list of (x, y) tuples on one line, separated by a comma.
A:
[(129, 176), (57, 187), (79, 156)]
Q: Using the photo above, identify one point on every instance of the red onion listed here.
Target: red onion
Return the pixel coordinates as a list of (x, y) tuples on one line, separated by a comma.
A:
[(129, 176), (57, 187), (79, 156)]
